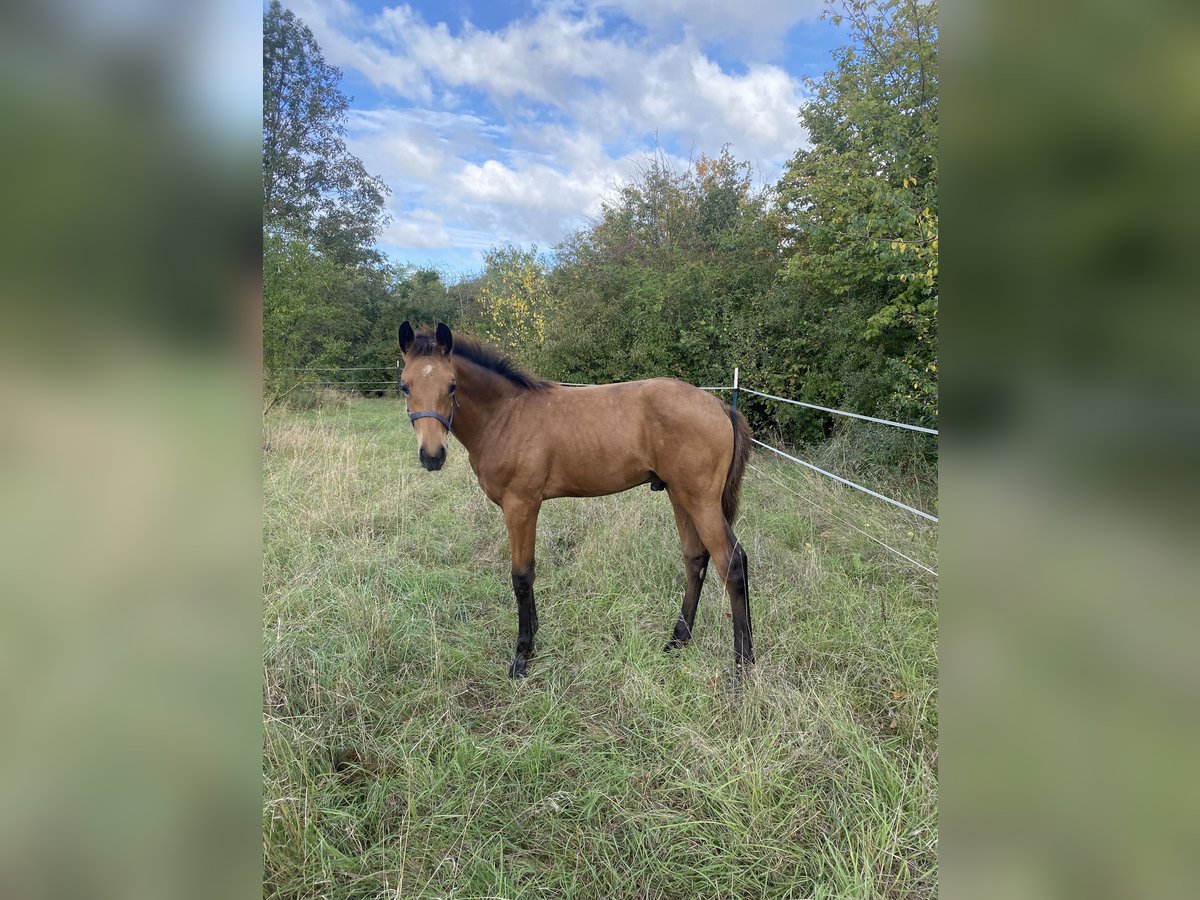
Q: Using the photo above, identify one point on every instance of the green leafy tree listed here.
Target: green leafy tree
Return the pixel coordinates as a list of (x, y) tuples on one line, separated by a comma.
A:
[(319, 313), (313, 187), (311, 316), (328, 296), (419, 296), (659, 283), (861, 210)]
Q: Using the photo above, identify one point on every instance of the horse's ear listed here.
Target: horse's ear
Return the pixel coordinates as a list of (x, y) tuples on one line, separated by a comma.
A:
[(407, 336), (444, 338)]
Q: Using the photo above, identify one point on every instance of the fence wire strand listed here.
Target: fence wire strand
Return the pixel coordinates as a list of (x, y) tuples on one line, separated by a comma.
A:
[(847, 481), (840, 412), (591, 384), (850, 525)]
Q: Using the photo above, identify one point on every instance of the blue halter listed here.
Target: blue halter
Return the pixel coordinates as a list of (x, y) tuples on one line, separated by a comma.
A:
[(430, 414)]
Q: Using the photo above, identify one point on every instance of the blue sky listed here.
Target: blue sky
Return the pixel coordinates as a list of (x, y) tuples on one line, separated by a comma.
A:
[(510, 122)]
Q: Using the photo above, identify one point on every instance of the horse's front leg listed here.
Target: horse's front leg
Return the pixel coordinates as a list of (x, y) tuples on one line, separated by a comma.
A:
[(520, 518)]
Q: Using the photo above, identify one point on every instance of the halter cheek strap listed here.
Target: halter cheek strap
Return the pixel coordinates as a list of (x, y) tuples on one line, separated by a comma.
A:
[(430, 414)]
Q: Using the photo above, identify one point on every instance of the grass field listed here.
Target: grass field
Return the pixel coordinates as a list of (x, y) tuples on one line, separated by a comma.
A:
[(400, 760)]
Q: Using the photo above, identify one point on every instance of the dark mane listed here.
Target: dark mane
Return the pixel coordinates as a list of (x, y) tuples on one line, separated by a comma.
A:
[(482, 355)]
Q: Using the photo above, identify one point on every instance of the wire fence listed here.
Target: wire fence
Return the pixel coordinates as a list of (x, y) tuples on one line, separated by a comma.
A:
[(847, 482), (737, 389), (842, 412), (848, 524), (336, 369)]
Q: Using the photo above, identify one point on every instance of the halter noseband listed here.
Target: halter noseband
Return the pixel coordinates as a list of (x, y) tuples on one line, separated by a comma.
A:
[(430, 414)]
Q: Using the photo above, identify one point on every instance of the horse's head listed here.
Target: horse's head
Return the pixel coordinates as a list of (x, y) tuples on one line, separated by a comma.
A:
[(428, 385)]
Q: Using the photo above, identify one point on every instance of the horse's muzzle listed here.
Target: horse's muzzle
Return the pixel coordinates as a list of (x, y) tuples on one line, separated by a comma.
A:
[(434, 462)]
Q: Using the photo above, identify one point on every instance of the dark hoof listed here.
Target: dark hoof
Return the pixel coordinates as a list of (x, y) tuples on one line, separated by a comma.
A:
[(673, 644), (517, 669)]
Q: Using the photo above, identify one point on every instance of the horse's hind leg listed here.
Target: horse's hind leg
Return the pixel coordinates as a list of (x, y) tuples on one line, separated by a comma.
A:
[(520, 518), (695, 563), (732, 566)]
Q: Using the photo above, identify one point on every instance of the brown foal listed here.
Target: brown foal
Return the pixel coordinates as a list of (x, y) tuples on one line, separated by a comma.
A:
[(531, 440)]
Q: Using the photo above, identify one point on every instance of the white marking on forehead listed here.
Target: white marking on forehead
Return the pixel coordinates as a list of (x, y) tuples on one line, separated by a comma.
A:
[(427, 371)]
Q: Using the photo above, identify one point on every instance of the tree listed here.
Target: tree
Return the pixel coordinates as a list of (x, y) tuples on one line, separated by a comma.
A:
[(310, 313), (413, 295), (313, 187), (861, 208), (660, 283), (514, 299)]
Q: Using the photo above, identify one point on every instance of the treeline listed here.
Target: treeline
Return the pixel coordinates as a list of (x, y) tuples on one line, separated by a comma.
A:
[(822, 286)]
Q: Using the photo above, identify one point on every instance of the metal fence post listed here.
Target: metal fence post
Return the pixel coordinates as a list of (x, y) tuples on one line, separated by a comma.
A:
[(735, 386)]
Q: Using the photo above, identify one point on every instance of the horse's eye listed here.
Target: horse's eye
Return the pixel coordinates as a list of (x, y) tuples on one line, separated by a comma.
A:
[(453, 388), (404, 388)]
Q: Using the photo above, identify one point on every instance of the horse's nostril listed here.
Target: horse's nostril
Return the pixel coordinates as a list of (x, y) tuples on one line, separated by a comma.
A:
[(434, 461)]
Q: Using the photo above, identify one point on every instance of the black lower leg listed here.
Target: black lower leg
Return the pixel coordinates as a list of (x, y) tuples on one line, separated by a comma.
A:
[(739, 598), (526, 621), (697, 567)]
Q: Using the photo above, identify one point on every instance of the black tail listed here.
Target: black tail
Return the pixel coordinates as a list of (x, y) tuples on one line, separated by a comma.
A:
[(737, 465)]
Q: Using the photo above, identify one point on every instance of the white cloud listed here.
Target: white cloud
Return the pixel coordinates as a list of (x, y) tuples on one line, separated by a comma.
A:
[(422, 228), (759, 107), (418, 145), (517, 204), (579, 106), (611, 89), (538, 59), (530, 200), (533, 190)]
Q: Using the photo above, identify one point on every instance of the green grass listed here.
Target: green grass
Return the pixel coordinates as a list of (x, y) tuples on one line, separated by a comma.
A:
[(400, 760)]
